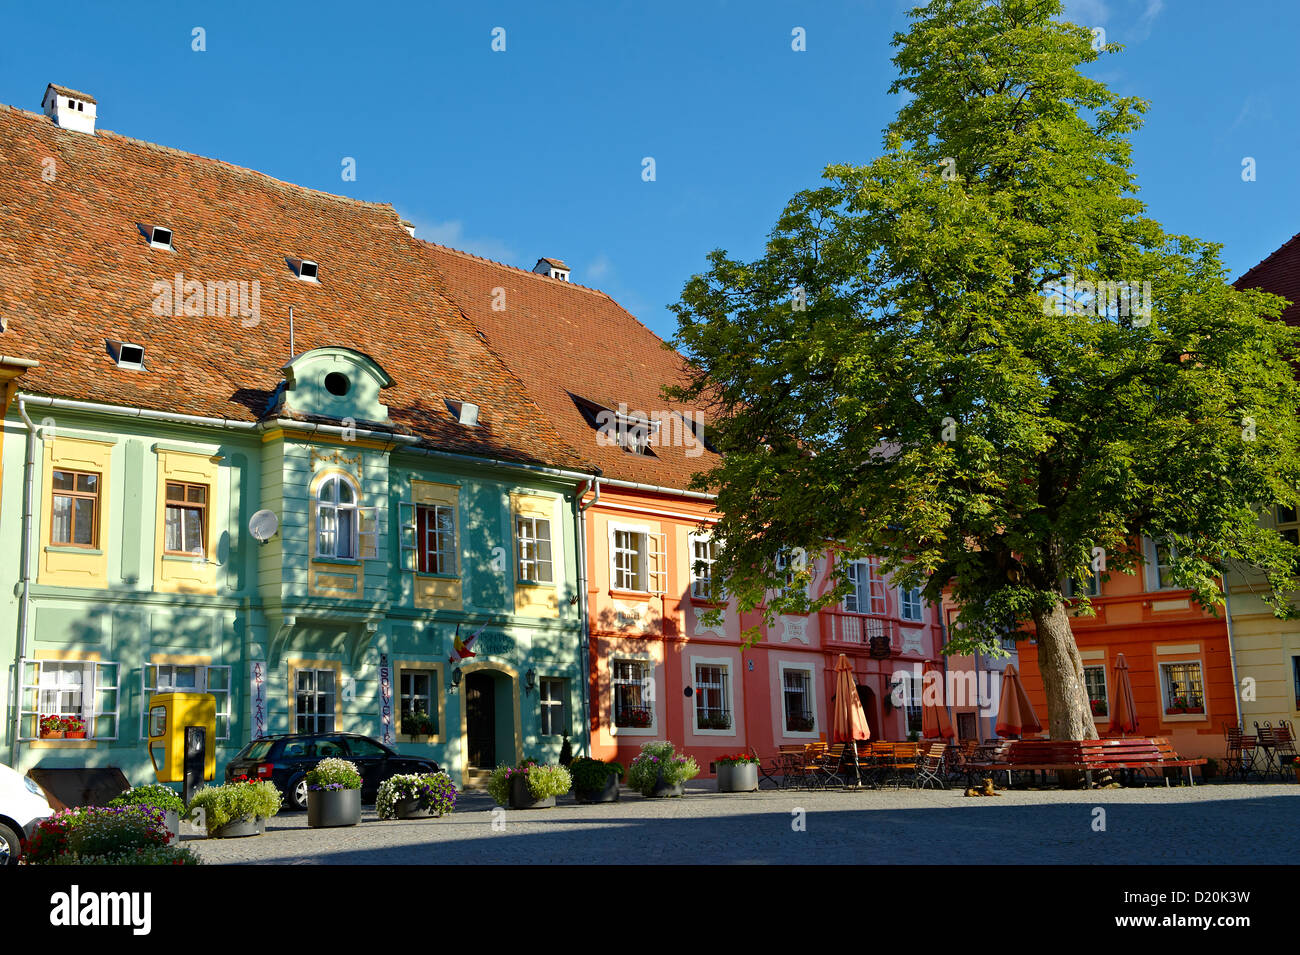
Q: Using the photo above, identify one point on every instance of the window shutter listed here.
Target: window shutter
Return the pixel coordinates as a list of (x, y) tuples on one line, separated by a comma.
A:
[(368, 532), (658, 544), (30, 677), (408, 536), (104, 716), (148, 680)]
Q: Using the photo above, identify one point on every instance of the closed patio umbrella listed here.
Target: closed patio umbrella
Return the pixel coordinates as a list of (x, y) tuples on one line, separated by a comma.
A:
[(848, 723), (1124, 718), (1016, 715), (935, 721)]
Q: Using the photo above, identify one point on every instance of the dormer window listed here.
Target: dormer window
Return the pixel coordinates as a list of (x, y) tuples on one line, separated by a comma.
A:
[(305, 269), (160, 238), (465, 412), (126, 355)]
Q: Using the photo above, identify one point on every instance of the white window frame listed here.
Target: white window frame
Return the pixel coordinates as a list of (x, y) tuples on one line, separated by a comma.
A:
[(649, 696), (554, 706), (913, 690), (876, 604), (726, 688), (810, 670), (432, 674), (1093, 589), (316, 715), (651, 547), (324, 506), (699, 592), (1151, 549), (435, 535), (149, 685), (907, 606), (103, 682), (1105, 689), (527, 544), (1168, 717)]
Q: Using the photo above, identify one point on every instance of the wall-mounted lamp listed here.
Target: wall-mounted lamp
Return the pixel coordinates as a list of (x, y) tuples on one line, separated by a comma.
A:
[(530, 680), (455, 680)]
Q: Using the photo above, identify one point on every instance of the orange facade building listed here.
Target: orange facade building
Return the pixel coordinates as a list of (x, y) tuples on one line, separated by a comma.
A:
[(1179, 658)]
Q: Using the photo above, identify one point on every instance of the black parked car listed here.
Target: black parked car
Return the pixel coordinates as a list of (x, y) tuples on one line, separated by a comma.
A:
[(285, 760)]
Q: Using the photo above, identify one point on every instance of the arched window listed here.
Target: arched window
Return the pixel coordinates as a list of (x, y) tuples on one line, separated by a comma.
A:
[(336, 518)]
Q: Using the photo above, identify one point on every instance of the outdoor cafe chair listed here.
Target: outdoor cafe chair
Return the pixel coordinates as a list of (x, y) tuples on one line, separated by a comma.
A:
[(1268, 745), (929, 770), (1239, 758), (768, 769)]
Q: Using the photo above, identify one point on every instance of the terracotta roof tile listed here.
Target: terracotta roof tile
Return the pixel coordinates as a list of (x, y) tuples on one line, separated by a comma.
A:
[(75, 271), (563, 339)]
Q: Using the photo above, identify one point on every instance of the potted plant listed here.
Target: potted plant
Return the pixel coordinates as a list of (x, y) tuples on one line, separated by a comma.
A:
[(1098, 707), (1176, 706), (416, 796), (105, 835), (51, 727), (418, 723), (595, 780), (737, 774), (659, 771), (235, 809), (1194, 708), (530, 785), (799, 724), (156, 796), (333, 794), (74, 727), (718, 721)]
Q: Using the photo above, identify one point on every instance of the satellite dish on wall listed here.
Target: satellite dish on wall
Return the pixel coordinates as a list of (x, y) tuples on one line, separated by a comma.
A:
[(263, 525)]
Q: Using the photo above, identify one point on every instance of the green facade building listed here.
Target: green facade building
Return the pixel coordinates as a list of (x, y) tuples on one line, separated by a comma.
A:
[(250, 448)]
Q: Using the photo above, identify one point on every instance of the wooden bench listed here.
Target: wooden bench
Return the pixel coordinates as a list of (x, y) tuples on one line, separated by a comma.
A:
[(1171, 758), (1086, 756)]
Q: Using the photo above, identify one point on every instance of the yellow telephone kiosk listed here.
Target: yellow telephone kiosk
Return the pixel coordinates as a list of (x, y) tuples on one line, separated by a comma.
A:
[(183, 727)]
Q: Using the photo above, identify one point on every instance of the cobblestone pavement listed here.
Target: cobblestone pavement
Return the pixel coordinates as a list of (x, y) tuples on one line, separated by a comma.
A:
[(1215, 824)]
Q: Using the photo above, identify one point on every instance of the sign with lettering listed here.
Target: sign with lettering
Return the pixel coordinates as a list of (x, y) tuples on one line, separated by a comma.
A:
[(257, 698), (496, 644), (385, 701)]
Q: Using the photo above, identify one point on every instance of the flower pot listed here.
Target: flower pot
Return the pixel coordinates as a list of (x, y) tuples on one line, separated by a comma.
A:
[(1296, 767), (608, 794), (663, 790), (51, 734), (330, 808), (522, 798), (74, 734), (1194, 709), (1174, 711), (739, 778), (172, 820), (411, 809), (239, 828)]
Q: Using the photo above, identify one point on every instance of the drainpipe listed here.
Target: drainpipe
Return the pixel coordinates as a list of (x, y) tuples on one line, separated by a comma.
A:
[(584, 628), (1232, 650), (29, 477)]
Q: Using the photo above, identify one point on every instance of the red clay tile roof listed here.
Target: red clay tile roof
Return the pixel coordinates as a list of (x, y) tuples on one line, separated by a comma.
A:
[(75, 270), (564, 339), (1279, 273)]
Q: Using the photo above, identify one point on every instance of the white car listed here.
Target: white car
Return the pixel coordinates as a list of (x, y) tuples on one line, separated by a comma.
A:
[(22, 807)]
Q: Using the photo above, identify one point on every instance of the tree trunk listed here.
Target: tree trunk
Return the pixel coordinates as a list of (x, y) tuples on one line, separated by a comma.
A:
[(1069, 713)]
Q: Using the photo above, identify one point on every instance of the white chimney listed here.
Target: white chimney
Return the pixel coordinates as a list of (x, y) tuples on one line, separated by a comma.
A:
[(70, 109), (553, 268)]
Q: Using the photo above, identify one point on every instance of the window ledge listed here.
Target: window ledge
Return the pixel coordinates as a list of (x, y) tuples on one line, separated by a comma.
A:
[(535, 583), (419, 573), (630, 594), (186, 558), (64, 744), (318, 559), (73, 549), (706, 602)]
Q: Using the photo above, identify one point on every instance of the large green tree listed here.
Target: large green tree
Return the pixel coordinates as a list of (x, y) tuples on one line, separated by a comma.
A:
[(948, 358)]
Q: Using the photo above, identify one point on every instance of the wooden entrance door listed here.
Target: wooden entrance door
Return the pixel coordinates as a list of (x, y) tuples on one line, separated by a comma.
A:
[(481, 719)]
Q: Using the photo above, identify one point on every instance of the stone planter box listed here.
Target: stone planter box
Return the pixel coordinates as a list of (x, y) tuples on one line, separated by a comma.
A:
[(608, 794), (411, 809), (331, 808), (239, 828), (521, 798), (740, 778)]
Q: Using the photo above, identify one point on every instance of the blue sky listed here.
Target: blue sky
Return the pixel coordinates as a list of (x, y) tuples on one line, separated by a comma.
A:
[(538, 150)]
